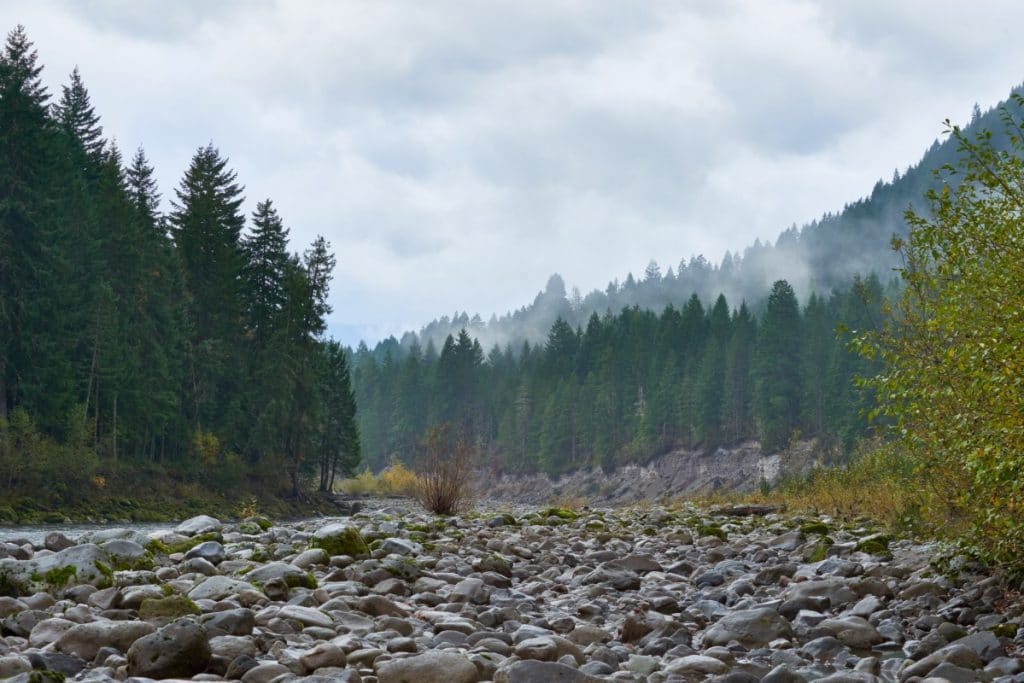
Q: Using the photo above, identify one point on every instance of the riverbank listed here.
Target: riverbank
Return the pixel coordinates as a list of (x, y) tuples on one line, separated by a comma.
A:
[(518, 594), (148, 502)]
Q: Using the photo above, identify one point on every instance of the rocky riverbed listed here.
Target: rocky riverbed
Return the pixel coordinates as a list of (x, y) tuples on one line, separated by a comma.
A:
[(395, 595)]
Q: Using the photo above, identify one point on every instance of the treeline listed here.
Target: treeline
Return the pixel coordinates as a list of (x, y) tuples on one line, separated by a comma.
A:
[(132, 341), (632, 385), (821, 256)]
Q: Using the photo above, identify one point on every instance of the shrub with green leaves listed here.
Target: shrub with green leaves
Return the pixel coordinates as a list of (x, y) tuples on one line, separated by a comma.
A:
[(953, 347)]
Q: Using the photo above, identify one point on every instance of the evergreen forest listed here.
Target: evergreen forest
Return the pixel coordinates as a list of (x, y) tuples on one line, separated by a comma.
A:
[(137, 344), (632, 385)]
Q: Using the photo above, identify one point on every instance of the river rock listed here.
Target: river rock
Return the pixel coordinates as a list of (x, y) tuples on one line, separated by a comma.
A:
[(430, 667), (751, 628), (178, 650), (85, 640), (201, 524), (211, 551), (218, 587)]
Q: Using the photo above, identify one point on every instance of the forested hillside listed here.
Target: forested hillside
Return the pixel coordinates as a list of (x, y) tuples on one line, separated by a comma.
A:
[(819, 257), (631, 385), (697, 356), (133, 342)]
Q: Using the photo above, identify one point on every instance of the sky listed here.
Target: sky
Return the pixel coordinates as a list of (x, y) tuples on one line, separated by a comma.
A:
[(456, 154)]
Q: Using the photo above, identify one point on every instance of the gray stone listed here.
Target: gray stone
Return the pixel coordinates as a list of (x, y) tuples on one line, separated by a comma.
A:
[(85, 640), (178, 650), (69, 665), (211, 551), (218, 587), (401, 546), (202, 524), (232, 622), (751, 628), (430, 667), (56, 541), (697, 664), (12, 665), (541, 672)]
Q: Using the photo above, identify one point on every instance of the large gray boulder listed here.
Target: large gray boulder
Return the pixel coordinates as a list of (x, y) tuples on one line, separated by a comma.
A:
[(218, 588), (202, 524), (86, 563), (532, 671), (430, 667), (289, 573), (749, 627), (85, 640), (178, 650)]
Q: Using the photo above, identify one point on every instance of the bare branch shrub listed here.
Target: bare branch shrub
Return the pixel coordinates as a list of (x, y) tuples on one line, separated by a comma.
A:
[(445, 470)]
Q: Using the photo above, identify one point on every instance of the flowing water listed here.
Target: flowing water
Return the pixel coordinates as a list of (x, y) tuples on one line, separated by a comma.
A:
[(34, 533)]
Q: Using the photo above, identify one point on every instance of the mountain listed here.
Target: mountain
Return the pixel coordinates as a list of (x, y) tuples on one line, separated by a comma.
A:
[(819, 257), (755, 347)]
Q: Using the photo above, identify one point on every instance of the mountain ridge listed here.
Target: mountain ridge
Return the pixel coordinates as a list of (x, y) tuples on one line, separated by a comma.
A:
[(817, 257)]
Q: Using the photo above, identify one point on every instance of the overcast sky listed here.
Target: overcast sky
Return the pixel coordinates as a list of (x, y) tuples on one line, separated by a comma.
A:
[(458, 153)]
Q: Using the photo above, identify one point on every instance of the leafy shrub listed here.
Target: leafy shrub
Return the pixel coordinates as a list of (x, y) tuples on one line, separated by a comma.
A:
[(953, 347)]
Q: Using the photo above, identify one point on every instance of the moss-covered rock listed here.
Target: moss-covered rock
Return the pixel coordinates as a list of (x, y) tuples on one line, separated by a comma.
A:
[(167, 608), (561, 513), (817, 553), (56, 578), (815, 527), (877, 544), (340, 539), (1005, 630)]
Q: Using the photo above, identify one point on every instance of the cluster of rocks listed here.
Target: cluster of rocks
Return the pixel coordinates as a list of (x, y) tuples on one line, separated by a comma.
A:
[(399, 596)]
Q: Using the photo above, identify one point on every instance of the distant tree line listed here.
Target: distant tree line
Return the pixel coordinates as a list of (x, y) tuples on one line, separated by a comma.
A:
[(629, 386), (132, 340), (823, 255)]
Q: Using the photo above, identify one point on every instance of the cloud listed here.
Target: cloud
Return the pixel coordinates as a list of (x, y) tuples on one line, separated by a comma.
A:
[(456, 154)]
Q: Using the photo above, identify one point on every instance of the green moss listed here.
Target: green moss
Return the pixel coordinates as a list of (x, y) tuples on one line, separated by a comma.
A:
[(1005, 630), (170, 607), (58, 577), (156, 547), (375, 544), (874, 545), (108, 574), (307, 580), (816, 527), (561, 513), (348, 542), (46, 676), (594, 525), (818, 553), (166, 590)]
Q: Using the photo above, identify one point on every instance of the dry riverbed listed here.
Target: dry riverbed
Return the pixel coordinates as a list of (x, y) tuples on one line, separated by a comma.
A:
[(395, 595)]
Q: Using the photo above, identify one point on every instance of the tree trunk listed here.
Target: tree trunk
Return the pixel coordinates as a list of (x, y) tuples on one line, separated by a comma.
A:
[(115, 429), (3, 389), (88, 389)]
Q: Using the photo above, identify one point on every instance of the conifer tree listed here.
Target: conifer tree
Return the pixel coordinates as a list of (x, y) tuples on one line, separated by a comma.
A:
[(777, 379)]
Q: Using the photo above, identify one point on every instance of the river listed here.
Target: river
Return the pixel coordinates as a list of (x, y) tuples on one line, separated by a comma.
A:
[(34, 533)]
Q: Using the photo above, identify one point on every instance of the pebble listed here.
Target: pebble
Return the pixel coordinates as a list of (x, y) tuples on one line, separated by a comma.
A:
[(515, 595)]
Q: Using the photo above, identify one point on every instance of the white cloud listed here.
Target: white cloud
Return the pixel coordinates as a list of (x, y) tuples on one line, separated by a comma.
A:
[(458, 153)]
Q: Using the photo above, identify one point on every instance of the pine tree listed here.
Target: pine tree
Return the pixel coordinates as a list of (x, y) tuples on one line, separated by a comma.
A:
[(265, 251), (777, 379), (738, 397), (206, 226)]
